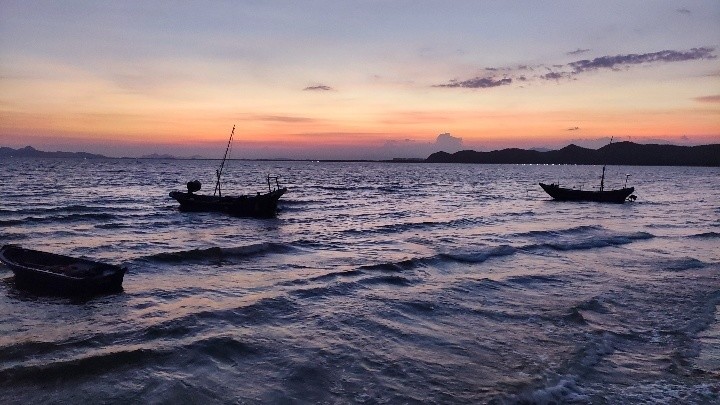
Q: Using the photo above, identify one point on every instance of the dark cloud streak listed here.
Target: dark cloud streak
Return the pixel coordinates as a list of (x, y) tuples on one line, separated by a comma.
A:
[(554, 76), (478, 83), (578, 52), (570, 70), (320, 87), (617, 61), (281, 118), (709, 99)]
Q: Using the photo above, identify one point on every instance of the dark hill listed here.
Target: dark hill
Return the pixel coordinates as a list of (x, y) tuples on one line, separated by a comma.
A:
[(29, 151), (621, 153)]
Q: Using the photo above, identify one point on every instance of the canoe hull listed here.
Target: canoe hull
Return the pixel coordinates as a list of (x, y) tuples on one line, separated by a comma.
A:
[(567, 194), (61, 275), (260, 205)]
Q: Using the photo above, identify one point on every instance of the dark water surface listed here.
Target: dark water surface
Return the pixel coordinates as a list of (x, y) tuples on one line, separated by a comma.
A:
[(376, 283)]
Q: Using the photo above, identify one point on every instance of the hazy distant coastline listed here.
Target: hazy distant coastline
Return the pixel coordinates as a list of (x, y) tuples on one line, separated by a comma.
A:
[(620, 153), (30, 152)]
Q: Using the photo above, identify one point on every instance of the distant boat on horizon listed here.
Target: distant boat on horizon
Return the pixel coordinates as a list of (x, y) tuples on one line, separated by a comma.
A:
[(259, 205), (617, 196)]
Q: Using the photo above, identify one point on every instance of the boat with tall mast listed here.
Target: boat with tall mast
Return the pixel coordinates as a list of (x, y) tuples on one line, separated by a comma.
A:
[(258, 205), (618, 196)]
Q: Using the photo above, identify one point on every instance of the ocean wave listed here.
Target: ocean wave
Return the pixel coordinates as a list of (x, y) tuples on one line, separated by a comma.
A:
[(265, 310), (519, 214), (533, 279), (564, 390), (334, 289), (481, 256), (346, 188), (19, 351), (220, 347), (686, 263), (89, 364), (407, 264), (590, 241), (332, 286), (560, 232), (289, 202), (59, 218), (706, 235), (12, 236), (115, 225), (394, 279), (468, 257), (417, 226), (594, 305), (336, 274), (68, 209), (93, 361), (576, 315), (473, 286), (214, 253)]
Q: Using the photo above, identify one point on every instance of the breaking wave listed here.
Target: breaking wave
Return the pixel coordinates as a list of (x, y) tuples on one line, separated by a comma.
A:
[(215, 253)]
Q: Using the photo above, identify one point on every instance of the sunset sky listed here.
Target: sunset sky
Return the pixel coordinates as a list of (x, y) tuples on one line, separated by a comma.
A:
[(355, 79)]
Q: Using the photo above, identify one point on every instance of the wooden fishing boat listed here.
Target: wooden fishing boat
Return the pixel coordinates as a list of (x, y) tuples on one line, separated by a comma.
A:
[(570, 194), (258, 205), (59, 274), (618, 196)]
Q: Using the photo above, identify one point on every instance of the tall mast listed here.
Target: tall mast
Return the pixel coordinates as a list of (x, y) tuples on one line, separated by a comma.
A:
[(222, 165), (602, 179)]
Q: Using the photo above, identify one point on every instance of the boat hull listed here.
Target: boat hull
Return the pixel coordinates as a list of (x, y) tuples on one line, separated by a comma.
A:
[(61, 275), (567, 194), (260, 205)]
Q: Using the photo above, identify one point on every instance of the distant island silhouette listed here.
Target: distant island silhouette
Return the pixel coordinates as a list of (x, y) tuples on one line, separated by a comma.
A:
[(620, 153), (31, 152)]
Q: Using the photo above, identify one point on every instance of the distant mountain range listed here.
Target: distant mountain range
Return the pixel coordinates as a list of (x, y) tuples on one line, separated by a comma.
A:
[(29, 151), (620, 153)]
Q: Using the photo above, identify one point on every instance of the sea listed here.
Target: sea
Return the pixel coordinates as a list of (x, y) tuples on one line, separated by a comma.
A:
[(377, 283)]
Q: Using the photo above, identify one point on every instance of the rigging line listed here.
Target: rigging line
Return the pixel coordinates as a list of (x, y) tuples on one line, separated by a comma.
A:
[(222, 165), (602, 179)]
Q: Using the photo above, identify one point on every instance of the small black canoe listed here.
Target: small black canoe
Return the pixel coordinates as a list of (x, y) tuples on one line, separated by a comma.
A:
[(61, 275)]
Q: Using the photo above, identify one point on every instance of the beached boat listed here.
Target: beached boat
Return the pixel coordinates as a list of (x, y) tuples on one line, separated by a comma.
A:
[(59, 274), (618, 196), (257, 205)]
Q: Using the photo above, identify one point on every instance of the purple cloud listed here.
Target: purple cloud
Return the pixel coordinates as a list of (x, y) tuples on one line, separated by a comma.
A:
[(618, 61), (683, 11), (570, 70), (709, 99), (319, 87), (578, 52), (554, 76), (478, 83)]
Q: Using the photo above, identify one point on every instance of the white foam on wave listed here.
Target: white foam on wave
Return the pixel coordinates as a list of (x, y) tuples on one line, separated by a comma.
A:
[(666, 392), (564, 390)]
